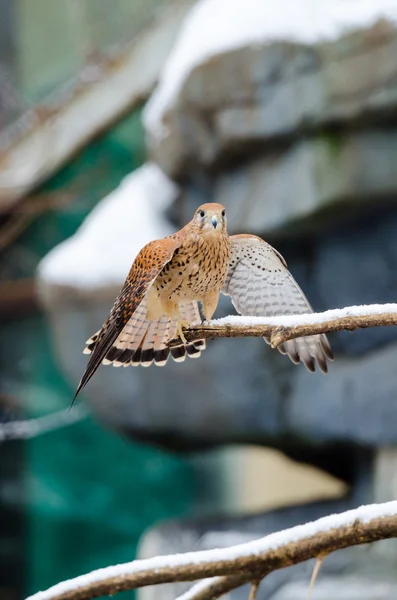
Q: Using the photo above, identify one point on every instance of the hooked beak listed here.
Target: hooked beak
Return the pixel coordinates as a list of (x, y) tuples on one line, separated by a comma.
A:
[(214, 221)]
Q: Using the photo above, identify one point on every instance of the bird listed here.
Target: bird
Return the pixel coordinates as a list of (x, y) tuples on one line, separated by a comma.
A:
[(172, 277)]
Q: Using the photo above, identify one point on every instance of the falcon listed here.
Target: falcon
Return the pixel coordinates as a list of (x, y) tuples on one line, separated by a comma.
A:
[(170, 277)]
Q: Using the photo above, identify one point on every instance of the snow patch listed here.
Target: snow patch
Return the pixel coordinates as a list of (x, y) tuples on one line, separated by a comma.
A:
[(102, 250), (363, 514), (216, 26), (309, 318)]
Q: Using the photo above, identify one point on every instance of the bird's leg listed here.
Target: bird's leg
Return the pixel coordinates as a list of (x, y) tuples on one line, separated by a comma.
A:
[(182, 323)]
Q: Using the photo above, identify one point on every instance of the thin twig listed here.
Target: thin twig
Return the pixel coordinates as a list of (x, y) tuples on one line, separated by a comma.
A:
[(316, 570), (211, 589), (254, 589), (254, 559), (279, 330)]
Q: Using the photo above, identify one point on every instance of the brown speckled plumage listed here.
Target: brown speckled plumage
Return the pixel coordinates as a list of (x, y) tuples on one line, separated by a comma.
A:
[(170, 276)]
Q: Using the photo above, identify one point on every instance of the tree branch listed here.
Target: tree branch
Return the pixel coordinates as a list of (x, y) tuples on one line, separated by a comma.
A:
[(33, 427), (210, 589), (245, 562), (288, 327)]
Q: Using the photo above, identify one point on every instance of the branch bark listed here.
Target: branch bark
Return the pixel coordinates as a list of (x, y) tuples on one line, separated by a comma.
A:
[(304, 325), (218, 586), (244, 563)]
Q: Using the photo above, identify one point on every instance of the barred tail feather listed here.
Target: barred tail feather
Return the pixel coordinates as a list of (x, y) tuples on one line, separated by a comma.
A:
[(144, 342)]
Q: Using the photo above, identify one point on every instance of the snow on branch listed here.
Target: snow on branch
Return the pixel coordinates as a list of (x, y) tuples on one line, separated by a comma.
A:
[(215, 587), (233, 566), (288, 327)]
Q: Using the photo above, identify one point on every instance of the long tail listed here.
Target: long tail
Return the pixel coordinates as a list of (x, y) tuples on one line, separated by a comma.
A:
[(144, 342)]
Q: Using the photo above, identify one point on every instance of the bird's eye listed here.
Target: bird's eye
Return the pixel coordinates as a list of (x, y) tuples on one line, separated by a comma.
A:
[(202, 214), (223, 213)]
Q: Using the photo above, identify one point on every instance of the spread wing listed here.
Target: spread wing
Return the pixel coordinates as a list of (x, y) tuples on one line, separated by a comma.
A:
[(260, 284), (147, 265)]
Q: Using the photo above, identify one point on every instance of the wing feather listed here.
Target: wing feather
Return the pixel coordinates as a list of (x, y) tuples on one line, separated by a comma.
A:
[(148, 264), (260, 284)]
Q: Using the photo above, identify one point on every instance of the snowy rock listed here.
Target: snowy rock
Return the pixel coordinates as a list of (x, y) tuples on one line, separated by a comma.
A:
[(102, 250), (250, 23), (252, 90)]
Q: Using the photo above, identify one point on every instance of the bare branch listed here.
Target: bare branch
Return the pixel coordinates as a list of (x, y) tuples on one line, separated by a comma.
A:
[(254, 589), (34, 427), (284, 328), (316, 570), (210, 589), (245, 562)]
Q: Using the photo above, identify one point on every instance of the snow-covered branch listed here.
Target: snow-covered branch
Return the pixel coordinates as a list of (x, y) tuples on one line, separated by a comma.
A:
[(288, 327), (215, 587), (238, 564)]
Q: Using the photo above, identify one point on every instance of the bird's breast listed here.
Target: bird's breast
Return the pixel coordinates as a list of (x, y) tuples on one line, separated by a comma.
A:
[(198, 266)]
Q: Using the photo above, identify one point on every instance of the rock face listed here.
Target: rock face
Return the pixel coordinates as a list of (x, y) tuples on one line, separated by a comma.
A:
[(252, 96)]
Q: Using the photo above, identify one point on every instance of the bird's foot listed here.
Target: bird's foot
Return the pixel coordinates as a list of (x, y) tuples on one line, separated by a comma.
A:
[(181, 325)]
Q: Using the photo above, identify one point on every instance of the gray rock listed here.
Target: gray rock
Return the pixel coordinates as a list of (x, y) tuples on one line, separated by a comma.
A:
[(355, 404), (354, 263), (253, 96), (310, 176)]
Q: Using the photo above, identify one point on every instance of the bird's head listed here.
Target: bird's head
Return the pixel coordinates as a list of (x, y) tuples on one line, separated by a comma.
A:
[(210, 218)]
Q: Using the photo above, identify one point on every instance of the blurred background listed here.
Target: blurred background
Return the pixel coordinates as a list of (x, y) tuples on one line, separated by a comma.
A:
[(117, 119)]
